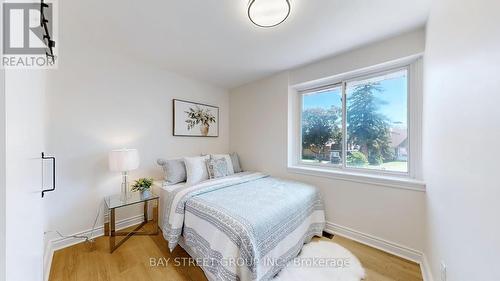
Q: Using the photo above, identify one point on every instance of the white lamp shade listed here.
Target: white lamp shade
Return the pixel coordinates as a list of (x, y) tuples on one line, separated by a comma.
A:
[(123, 160)]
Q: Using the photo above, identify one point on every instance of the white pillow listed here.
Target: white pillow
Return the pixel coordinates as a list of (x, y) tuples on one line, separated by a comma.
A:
[(196, 169), (230, 169)]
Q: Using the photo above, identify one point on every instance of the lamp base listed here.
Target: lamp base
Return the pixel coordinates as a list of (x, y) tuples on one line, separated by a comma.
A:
[(125, 194)]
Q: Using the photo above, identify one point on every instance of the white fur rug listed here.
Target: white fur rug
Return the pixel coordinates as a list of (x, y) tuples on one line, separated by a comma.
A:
[(323, 261)]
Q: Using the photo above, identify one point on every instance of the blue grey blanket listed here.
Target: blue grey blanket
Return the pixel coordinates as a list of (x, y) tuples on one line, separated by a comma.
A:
[(256, 214)]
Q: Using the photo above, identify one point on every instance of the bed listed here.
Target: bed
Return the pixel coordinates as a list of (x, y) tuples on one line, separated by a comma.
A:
[(246, 226)]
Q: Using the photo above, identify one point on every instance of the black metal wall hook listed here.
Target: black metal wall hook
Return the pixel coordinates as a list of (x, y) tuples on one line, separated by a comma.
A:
[(53, 173), (46, 36)]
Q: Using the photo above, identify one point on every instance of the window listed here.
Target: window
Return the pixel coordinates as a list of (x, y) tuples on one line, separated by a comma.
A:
[(358, 124)]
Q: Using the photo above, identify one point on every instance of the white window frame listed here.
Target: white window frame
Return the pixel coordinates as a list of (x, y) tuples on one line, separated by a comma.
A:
[(410, 179)]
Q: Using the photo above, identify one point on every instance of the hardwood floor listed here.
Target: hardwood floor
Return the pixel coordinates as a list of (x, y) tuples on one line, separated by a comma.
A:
[(93, 262)]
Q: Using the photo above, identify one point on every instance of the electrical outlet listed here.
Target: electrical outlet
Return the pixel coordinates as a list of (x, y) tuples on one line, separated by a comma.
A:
[(443, 271)]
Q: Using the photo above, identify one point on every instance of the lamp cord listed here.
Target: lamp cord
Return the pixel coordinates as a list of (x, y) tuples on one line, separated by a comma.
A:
[(88, 238)]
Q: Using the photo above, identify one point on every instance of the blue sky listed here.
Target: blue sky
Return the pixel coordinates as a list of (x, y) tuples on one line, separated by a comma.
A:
[(394, 94)]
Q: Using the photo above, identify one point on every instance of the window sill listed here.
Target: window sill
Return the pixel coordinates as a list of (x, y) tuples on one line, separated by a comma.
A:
[(387, 181)]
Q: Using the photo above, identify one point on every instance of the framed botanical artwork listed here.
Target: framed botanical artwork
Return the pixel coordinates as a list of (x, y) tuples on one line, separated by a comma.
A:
[(193, 119)]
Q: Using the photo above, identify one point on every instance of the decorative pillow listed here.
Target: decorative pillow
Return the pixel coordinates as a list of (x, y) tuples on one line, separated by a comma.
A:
[(235, 160), (229, 163), (217, 167), (196, 169), (174, 171)]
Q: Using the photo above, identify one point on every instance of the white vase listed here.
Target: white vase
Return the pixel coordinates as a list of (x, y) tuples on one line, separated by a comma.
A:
[(145, 193)]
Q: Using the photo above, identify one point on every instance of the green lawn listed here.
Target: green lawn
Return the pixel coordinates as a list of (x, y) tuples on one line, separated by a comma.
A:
[(395, 166)]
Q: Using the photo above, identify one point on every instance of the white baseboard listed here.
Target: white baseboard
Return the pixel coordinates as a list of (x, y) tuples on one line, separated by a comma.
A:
[(383, 245), (47, 261), (60, 243), (375, 242), (426, 269)]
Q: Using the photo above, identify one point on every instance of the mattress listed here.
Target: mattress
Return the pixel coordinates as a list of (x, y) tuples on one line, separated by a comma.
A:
[(164, 190)]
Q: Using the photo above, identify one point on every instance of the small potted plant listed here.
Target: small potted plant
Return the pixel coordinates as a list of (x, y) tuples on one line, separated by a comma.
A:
[(143, 185)]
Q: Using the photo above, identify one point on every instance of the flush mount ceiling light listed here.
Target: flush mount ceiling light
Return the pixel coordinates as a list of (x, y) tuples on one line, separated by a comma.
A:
[(268, 13)]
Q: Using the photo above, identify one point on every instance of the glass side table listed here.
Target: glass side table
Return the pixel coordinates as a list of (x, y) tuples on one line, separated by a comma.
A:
[(112, 203)]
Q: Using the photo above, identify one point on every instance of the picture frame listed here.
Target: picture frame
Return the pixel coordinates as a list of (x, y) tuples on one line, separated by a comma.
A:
[(193, 119)]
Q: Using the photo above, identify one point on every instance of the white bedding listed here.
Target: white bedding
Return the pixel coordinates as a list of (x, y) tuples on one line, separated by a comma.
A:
[(222, 235), (163, 190)]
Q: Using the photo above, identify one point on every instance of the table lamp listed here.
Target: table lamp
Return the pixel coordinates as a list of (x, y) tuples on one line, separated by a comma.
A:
[(124, 160)]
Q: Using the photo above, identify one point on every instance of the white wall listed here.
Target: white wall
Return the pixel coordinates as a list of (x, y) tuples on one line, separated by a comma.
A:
[(127, 105), (94, 108), (2, 175), (402, 46), (461, 130), (258, 131), (100, 99)]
